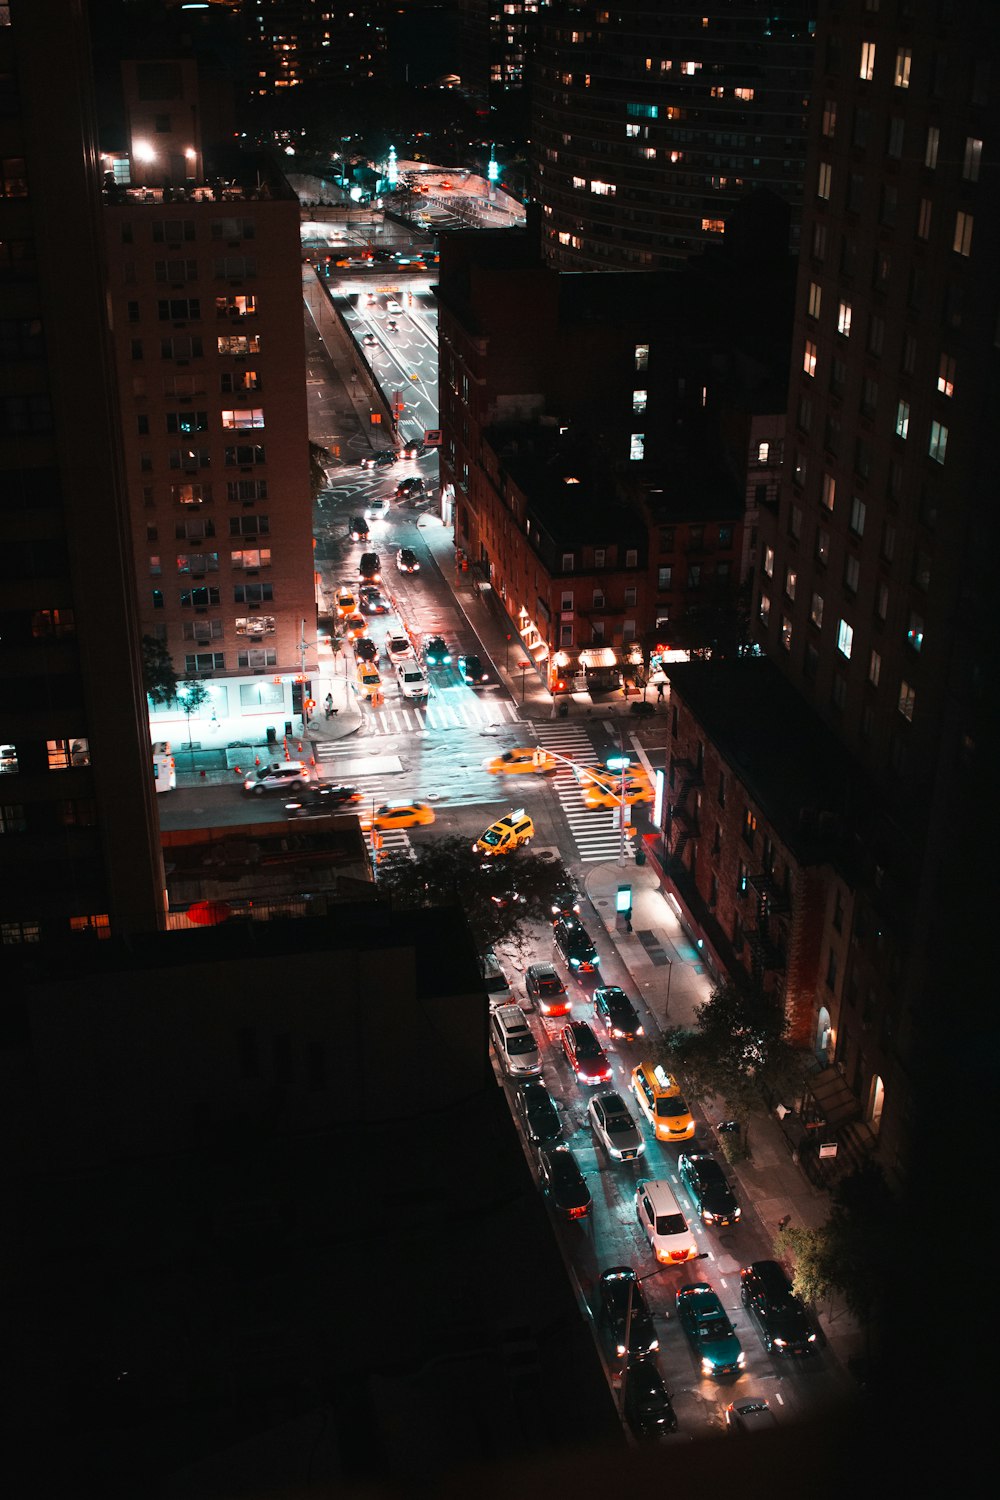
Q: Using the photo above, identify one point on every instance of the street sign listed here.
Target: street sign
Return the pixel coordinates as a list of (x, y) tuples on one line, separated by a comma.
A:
[(433, 437), (618, 762)]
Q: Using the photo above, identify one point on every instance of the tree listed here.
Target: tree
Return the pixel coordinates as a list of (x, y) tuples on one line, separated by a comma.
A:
[(319, 457), (501, 898), (158, 675), (191, 694), (737, 1049)]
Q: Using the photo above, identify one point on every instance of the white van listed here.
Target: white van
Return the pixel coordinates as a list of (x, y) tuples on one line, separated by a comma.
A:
[(412, 682), (164, 770), (514, 1043)]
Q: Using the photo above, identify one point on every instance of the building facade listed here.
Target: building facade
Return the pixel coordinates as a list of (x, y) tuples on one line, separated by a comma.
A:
[(206, 292), (79, 851), (652, 121)]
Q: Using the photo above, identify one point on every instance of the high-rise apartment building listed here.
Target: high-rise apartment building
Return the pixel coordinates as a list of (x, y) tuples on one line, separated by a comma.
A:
[(303, 42), (79, 847), (872, 584), (651, 121)]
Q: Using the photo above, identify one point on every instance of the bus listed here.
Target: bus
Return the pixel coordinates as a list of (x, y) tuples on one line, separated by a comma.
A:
[(164, 772)]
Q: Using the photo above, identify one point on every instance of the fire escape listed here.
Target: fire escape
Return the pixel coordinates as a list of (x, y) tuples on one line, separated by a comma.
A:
[(768, 953), (684, 808)]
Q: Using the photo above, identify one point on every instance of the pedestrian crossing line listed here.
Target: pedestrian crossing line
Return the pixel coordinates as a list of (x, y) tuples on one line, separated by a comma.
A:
[(440, 714)]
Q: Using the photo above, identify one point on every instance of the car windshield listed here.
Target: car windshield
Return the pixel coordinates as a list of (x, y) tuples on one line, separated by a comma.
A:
[(714, 1328), (519, 1044), (549, 984), (491, 838), (670, 1224), (615, 1124), (671, 1106)]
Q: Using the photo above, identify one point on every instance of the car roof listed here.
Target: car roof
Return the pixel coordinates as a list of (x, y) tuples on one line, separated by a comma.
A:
[(542, 968), (619, 1273)]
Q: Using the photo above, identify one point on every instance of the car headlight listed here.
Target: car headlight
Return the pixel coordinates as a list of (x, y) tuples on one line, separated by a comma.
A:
[(620, 1347), (707, 1366), (780, 1343), (617, 1031), (639, 1031), (707, 1216), (654, 1345), (811, 1339), (741, 1359), (737, 1212), (574, 963)]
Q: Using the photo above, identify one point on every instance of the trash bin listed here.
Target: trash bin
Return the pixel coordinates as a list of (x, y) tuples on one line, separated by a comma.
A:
[(272, 734), (640, 854), (563, 710)]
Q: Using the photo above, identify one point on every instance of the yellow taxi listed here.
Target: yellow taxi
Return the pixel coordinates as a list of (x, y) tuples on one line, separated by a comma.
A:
[(355, 625), (659, 1097), (369, 680), (506, 834), (603, 788), (347, 601), (525, 758), (398, 815)]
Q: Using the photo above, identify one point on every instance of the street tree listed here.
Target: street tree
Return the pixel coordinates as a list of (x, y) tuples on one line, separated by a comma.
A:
[(191, 694), (158, 675), (737, 1049), (502, 898)]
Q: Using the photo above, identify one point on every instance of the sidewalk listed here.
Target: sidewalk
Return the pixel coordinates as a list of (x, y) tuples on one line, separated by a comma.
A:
[(670, 978)]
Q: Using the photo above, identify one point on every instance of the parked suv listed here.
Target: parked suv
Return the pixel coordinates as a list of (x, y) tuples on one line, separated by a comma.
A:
[(781, 1320)]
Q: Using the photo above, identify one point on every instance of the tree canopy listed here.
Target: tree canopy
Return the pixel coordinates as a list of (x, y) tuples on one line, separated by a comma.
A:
[(501, 898), (738, 1048), (158, 675)]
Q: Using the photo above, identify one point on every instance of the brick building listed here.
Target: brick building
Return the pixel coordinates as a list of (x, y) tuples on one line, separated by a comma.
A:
[(596, 431)]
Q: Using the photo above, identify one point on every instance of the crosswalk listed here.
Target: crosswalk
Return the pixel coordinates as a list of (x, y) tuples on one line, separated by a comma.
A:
[(593, 830), (440, 714)]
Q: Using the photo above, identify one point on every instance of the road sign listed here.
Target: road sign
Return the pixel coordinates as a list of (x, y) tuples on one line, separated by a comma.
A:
[(433, 437)]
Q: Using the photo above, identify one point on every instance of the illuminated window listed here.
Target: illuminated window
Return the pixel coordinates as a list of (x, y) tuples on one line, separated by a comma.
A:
[(765, 608), (244, 417), (638, 401), (579, 182), (763, 450), (643, 111), (816, 610), (844, 319), (809, 358), (904, 60), (938, 446), (603, 189), (845, 639), (815, 299), (63, 754), (642, 356), (631, 130), (791, 582), (915, 633), (786, 632), (743, 93), (637, 445), (962, 242), (830, 117), (867, 69), (946, 376), (902, 419), (769, 561), (907, 701), (973, 157), (824, 180), (713, 226)]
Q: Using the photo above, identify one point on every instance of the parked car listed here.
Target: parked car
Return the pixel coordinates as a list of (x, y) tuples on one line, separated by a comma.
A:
[(618, 1013), (544, 986), (625, 1313), (573, 941), (471, 670), (646, 1405), (710, 1192), (279, 776), (709, 1331), (584, 1053), (780, 1318), (615, 1128), (563, 1182), (537, 1113)]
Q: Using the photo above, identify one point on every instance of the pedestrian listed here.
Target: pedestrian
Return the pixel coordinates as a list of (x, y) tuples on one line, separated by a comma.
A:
[(659, 692), (328, 705)]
